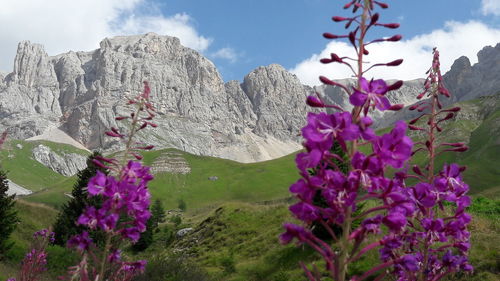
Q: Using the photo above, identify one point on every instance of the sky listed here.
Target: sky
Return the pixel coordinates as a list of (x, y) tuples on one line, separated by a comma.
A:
[(241, 35)]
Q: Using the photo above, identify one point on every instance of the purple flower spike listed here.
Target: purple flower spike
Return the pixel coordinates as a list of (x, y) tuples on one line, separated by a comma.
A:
[(373, 92)]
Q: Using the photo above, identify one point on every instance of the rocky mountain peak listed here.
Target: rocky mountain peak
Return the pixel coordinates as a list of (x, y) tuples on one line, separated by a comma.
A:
[(32, 67)]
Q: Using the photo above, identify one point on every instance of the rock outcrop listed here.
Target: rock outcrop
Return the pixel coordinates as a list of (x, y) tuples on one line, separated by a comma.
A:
[(81, 93), (66, 164)]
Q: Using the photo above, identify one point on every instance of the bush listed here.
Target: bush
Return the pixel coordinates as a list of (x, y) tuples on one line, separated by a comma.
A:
[(227, 262)]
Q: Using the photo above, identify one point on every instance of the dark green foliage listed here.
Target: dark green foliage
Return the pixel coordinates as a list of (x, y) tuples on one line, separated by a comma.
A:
[(317, 228), (182, 205), (146, 238), (65, 226), (157, 213), (176, 220), (172, 268), (227, 262), (8, 216)]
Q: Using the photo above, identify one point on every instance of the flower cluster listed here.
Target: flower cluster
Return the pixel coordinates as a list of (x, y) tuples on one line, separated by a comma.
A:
[(35, 261), (410, 226), (126, 197), (124, 211)]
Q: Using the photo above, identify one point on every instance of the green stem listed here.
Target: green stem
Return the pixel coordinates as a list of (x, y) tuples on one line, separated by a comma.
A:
[(104, 257)]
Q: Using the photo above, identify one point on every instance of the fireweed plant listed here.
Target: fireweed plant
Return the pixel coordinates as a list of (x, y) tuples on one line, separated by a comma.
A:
[(122, 216), (124, 212), (35, 261), (417, 238)]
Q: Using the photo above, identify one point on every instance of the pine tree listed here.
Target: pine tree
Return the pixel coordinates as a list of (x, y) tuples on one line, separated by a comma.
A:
[(8, 215), (65, 226), (157, 213)]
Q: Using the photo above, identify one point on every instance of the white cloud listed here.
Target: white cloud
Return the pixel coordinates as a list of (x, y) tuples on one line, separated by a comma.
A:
[(455, 39), (63, 25), (490, 7), (226, 53)]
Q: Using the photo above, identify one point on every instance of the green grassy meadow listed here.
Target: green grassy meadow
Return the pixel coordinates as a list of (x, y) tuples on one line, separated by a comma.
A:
[(238, 217)]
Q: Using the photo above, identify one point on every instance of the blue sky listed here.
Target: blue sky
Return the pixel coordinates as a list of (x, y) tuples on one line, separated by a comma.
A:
[(240, 35)]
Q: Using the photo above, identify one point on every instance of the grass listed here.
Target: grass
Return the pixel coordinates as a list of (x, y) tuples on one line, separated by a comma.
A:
[(236, 182), (27, 172)]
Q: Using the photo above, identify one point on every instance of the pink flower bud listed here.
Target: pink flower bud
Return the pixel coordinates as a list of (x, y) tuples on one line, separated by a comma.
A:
[(395, 62), (394, 38), (346, 6), (395, 86), (120, 118), (329, 35), (374, 18), (338, 19), (365, 51), (352, 38), (421, 95), (417, 170), (396, 107), (382, 5), (313, 101), (143, 126), (390, 25), (325, 61), (113, 134), (326, 81)]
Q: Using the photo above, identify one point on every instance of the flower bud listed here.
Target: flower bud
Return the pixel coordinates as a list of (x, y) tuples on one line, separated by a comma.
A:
[(396, 107), (395, 86), (390, 25), (374, 18), (329, 35), (120, 118), (352, 38), (395, 62), (394, 38), (417, 170), (325, 60), (421, 95), (382, 5), (337, 19), (326, 81), (313, 101)]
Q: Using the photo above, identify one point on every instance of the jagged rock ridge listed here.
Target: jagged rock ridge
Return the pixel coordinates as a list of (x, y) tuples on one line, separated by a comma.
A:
[(81, 93)]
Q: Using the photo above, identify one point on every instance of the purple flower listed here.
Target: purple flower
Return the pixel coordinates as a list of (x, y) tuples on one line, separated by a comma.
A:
[(293, 231), (97, 184), (323, 128), (305, 160), (395, 221), (371, 93), (82, 241), (395, 147), (424, 195), (304, 211), (410, 263), (303, 190), (372, 225)]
